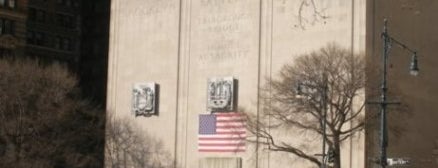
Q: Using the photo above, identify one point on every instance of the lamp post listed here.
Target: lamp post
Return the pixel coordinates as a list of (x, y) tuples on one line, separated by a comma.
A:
[(323, 120), (387, 40)]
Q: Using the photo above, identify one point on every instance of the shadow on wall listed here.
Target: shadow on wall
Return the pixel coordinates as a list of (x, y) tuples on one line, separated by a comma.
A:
[(129, 146), (398, 115)]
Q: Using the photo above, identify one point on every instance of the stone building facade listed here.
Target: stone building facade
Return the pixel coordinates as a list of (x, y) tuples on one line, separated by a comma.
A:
[(71, 32), (180, 45), (53, 30), (12, 27)]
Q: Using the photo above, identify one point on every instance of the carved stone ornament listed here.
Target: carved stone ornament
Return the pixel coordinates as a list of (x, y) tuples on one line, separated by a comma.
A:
[(144, 99), (220, 94)]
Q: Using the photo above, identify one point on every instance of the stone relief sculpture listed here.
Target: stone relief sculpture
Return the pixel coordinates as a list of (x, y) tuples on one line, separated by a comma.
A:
[(144, 99), (220, 95), (219, 162)]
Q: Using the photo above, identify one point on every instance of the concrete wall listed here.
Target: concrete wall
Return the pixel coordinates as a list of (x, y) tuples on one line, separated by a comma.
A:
[(413, 125), (179, 44)]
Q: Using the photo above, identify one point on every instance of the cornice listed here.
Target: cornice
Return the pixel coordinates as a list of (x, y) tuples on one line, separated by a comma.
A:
[(12, 14)]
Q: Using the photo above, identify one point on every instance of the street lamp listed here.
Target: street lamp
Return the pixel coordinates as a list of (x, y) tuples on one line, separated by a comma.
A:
[(323, 119), (414, 65), (387, 41)]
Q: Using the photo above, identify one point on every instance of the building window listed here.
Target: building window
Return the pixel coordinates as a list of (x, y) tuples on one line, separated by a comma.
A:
[(70, 22), (68, 3), (12, 28), (30, 37), (76, 3), (7, 26), (65, 21), (66, 44), (32, 14), (57, 42), (45, 39), (1, 26), (39, 39), (72, 45), (40, 16), (11, 4), (59, 19)]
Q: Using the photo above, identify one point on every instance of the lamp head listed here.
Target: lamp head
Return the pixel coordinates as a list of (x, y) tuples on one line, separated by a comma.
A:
[(414, 65)]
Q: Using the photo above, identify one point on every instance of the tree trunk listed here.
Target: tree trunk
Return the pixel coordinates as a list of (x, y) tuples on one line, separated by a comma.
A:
[(337, 151)]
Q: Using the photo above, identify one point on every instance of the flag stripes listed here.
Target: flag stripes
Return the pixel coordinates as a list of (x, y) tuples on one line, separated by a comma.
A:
[(222, 132)]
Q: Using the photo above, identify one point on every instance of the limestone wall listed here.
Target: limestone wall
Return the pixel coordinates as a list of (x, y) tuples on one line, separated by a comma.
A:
[(180, 44)]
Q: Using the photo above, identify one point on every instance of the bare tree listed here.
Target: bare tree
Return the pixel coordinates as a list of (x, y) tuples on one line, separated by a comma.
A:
[(43, 120), (295, 102), (127, 147)]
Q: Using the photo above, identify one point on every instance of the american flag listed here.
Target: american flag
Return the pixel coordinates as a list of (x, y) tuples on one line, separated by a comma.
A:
[(222, 132)]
